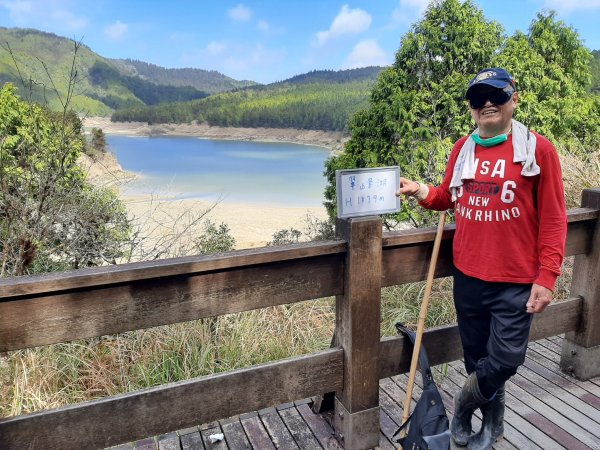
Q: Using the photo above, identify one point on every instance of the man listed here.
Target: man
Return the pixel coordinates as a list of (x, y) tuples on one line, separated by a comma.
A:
[(505, 185)]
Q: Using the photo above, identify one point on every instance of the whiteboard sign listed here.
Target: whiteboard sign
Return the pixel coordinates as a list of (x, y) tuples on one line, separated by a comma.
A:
[(367, 192)]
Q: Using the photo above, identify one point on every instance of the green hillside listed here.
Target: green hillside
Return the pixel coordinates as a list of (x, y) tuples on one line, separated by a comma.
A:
[(209, 81), (318, 100), (46, 59), (44, 63)]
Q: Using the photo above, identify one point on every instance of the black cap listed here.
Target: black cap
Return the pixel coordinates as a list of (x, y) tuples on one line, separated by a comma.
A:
[(495, 77)]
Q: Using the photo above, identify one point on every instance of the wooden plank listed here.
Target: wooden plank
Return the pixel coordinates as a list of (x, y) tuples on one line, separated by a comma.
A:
[(319, 427), (134, 272), (168, 441), (148, 412), (191, 441), (235, 436), (558, 317), (279, 433), (550, 355), (552, 347), (256, 433), (27, 322), (586, 283), (304, 401), (410, 263), (559, 435), (384, 443), (550, 359), (388, 426), (535, 362), (145, 444), (557, 339), (299, 429), (391, 400), (443, 343), (579, 238), (358, 314), (550, 369), (573, 434), (209, 439), (559, 400)]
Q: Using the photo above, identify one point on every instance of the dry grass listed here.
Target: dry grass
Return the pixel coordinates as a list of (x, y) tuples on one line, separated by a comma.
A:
[(55, 375), (581, 170)]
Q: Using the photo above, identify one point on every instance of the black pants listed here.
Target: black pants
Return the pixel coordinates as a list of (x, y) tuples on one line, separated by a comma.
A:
[(494, 328)]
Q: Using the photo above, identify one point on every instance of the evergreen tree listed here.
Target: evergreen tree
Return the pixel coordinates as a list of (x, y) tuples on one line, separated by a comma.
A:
[(417, 108), (50, 217)]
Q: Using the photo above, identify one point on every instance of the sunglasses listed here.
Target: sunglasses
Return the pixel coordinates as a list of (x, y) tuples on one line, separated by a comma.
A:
[(497, 97)]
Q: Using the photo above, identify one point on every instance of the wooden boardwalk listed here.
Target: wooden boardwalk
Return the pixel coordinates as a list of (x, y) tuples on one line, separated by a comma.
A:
[(546, 410)]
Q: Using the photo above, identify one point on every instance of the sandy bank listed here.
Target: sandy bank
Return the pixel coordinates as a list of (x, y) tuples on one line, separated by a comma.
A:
[(252, 225), (332, 140)]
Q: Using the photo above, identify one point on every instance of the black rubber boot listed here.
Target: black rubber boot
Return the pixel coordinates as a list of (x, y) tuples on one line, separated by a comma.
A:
[(465, 403), (492, 426)]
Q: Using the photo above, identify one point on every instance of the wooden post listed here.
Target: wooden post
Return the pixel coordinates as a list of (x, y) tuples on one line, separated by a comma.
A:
[(358, 316), (581, 348)]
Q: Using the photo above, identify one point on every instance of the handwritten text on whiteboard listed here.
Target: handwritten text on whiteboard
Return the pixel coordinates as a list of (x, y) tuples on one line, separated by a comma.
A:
[(362, 192)]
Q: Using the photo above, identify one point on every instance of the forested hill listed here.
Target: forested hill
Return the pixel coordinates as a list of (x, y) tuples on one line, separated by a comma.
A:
[(335, 76), (318, 100), (101, 85), (209, 81)]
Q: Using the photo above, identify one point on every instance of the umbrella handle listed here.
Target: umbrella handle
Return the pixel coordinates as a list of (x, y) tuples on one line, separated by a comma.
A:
[(421, 322)]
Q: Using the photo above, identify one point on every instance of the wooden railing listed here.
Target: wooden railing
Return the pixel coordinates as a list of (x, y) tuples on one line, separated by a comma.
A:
[(61, 307)]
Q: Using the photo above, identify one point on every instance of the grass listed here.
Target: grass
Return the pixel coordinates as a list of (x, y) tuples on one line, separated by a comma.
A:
[(60, 374)]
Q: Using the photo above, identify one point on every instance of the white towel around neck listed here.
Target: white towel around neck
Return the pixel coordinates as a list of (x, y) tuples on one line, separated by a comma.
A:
[(524, 143)]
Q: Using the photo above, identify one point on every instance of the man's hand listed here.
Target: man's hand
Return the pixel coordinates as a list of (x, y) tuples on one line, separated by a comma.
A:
[(407, 187), (538, 300)]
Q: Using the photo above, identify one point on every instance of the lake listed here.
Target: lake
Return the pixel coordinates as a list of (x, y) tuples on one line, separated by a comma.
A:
[(277, 174)]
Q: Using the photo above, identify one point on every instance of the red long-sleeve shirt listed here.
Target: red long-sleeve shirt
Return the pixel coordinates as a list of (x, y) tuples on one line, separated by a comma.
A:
[(509, 227)]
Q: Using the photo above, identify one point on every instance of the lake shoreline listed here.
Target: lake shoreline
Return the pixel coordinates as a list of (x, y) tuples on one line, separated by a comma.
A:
[(332, 140), (251, 224)]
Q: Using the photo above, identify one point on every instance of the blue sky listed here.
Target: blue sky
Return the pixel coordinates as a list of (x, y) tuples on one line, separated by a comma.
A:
[(264, 40)]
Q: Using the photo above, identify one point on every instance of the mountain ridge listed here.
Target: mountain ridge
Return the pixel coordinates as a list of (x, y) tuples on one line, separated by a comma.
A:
[(105, 85), (41, 63)]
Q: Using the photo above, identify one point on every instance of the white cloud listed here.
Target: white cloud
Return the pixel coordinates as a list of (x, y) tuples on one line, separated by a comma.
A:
[(116, 31), (239, 13), (568, 6), (366, 53), (215, 48), (407, 11), (238, 61), (269, 29), (348, 21), (43, 14), (18, 10), (420, 5), (69, 19)]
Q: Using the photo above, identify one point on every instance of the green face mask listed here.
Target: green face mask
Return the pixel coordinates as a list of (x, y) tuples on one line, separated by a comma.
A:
[(491, 141)]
